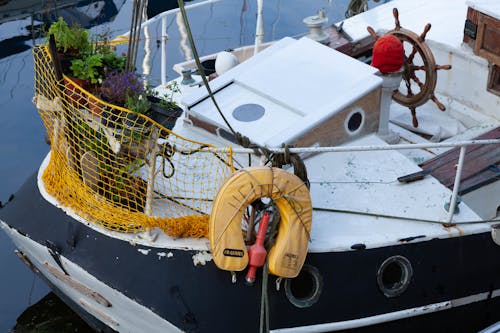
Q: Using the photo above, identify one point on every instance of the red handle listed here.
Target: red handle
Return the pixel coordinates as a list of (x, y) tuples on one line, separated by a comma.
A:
[(257, 252)]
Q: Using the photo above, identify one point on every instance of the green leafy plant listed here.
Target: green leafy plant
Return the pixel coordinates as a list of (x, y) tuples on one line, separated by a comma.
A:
[(138, 104), (89, 68), (101, 45), (69, 39), (167, 100)]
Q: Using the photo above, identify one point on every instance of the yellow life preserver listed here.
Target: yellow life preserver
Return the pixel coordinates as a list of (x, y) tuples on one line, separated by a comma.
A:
[(293, 200)]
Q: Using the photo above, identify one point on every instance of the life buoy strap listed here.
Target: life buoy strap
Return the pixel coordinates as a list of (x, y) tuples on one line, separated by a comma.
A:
[(293, 201)]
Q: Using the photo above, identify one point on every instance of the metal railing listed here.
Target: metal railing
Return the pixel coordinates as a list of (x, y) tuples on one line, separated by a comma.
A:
[(456, 185), (164, 35)]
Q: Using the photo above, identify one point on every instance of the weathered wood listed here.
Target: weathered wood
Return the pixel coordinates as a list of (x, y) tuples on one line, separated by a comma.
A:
[(55, 59), (80, 287), (471, 25), (332, 131), (341, 42), (481, 166), (494, 80), (488, 38)]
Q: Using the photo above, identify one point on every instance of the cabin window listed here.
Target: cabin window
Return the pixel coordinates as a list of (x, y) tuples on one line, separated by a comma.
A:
[(394, 275), (494, 80), (304, 290), (354, 121)]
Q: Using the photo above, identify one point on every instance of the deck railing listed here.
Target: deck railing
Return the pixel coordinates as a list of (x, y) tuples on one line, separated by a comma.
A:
[(459, 166), (164, 36)]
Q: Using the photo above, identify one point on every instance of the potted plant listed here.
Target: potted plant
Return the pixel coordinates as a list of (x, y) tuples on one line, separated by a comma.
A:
[(88, 70), (111, 62), (114, 89), (165, 110), (118, 85), (139, 105), (70, 42), (125, 188)]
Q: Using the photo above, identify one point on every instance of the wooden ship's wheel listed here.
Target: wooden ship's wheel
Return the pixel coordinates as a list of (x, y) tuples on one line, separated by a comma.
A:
[(412, 99)]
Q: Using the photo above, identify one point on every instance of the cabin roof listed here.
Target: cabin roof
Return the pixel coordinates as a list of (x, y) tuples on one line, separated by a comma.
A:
[(413, 15), (288, 84)]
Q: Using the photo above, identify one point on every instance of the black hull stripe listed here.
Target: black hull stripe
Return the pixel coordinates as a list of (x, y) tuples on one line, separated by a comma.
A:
[(176, 289)]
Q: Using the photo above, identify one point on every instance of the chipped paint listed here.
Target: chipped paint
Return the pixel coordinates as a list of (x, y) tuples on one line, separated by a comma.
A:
[(144, 251), (450, 228), (202, 258), (163, 255)]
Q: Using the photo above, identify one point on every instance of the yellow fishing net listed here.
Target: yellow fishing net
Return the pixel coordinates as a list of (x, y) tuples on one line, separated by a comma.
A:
[(120, 170)]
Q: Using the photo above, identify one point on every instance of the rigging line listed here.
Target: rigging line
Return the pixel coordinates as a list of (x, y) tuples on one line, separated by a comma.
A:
[(276, 21), (30, 296), (174, 200), (244, 8), (332, 210), (358, 182), (198, 63)]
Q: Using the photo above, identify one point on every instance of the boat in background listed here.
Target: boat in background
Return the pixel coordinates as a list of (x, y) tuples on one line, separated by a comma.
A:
[(22, 21), (301, 189)]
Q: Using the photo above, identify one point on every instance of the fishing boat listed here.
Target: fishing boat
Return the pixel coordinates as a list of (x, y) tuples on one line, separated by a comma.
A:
[(301, 190)]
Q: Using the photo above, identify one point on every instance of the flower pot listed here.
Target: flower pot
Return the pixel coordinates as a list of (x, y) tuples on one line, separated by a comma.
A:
[(74, 92), (165, 116), (95, 106), (111, 118), (136, 123)]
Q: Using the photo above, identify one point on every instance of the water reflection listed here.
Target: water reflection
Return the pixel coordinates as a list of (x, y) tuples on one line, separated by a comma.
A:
[(50, 315), (24, 21)]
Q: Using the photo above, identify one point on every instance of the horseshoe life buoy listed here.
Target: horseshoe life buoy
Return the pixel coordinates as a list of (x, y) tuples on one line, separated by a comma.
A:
[(292, 198)]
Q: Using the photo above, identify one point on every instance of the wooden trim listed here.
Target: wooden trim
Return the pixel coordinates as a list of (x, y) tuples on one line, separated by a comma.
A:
[(98, 313), (494, 80), (486, 26), (77, 285)]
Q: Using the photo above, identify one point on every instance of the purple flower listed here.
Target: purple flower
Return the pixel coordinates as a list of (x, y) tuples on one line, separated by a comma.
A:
[(118, 85)]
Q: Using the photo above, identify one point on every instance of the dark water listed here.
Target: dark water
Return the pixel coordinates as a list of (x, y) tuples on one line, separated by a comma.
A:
[(25, 302)]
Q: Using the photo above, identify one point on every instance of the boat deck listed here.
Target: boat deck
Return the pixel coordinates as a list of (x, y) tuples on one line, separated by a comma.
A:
[(481, 166)]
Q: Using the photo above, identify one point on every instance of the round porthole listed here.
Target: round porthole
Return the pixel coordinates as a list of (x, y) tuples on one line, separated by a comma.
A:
[(304, 290), (355, 121), (248, 112), (394, 275)]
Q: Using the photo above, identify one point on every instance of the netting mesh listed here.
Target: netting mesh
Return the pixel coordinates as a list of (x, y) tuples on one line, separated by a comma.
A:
[(122, 170)]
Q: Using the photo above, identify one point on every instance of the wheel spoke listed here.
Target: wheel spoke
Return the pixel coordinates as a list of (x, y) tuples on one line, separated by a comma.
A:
[(445, 67), (426, 30), (417, 68), (438, 103), (417, 80), (408, 86), (372, 33), (414, 116), (395, 12), (412, 55)]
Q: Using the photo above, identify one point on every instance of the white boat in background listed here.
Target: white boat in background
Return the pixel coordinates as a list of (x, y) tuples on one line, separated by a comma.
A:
[(376, 225)]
